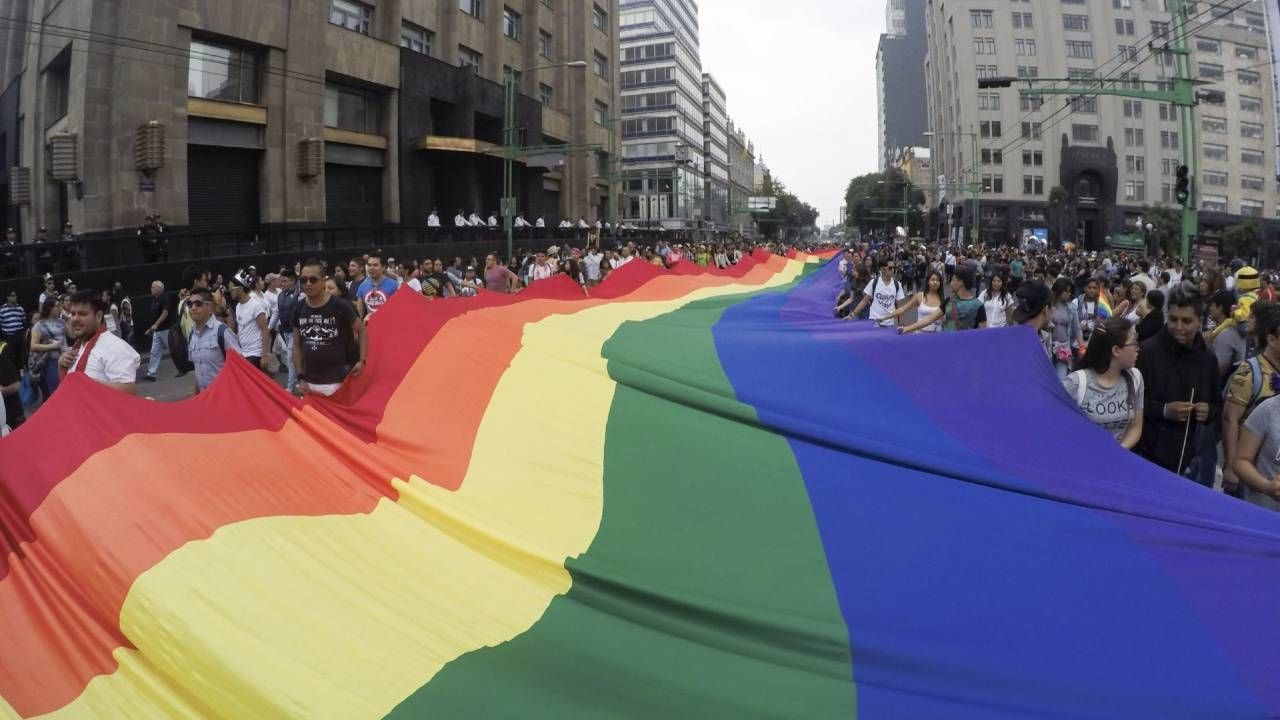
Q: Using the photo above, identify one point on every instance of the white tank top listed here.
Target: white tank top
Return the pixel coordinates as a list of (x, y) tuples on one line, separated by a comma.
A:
[(925, 310)]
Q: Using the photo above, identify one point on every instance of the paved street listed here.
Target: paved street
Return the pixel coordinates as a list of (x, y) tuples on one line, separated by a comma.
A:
[(168, 387)]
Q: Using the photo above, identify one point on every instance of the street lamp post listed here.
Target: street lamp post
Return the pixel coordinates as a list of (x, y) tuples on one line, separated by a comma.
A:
[(976, 185), (509, 144)]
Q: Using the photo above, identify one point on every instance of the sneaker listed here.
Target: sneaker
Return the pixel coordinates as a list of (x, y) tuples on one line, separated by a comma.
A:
[(149, 378)]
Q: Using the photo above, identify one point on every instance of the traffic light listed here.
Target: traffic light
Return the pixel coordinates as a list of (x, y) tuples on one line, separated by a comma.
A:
[(1182, 188)]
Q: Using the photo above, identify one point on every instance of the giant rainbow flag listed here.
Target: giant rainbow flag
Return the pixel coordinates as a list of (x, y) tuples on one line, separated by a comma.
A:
[(691, 495)]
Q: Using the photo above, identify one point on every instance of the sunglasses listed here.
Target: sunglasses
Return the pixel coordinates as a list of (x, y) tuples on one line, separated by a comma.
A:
[(197, 303), (310, 280)]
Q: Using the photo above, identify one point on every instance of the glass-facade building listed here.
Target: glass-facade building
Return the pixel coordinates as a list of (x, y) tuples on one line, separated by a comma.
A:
[(663, 142)]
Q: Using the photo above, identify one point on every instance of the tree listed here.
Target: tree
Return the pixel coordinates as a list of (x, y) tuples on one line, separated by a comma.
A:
[(1241, 240), (1166, 226), (873, 200)]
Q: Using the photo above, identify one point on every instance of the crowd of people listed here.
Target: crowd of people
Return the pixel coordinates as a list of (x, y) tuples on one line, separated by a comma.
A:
[(306, 322), (1179, 363)]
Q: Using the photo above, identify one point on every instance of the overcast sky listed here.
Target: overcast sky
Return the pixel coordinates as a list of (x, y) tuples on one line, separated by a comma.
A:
[(800, 81)]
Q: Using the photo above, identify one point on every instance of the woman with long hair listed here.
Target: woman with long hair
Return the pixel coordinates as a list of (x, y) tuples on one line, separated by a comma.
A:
[(927, 303), (48, 341), (1066, 327), (1106, 386), (998, 301)]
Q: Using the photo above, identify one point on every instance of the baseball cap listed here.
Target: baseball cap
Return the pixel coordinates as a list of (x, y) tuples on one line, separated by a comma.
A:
[(1032, 298)]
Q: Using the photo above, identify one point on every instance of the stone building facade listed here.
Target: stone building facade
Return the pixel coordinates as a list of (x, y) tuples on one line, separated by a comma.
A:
[(324, 112)]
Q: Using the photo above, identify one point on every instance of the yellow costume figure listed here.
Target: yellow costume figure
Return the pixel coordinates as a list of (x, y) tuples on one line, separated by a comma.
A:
[(1247, 281)]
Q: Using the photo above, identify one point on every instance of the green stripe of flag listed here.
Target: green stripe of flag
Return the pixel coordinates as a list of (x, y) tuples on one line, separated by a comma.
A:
[(706, 592)]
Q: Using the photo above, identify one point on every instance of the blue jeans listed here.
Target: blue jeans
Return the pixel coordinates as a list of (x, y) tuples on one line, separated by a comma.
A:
[(49, 379), (1203, 467), (286, 339), (159, 346)]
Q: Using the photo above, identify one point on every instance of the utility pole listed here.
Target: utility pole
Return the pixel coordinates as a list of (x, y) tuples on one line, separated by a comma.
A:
[(1183, 95)]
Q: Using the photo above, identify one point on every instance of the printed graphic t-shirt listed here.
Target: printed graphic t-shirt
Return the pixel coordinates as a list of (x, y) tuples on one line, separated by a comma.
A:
[(374, 296), (327, 340)]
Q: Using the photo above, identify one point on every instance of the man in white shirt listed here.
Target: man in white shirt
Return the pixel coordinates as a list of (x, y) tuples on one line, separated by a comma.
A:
[(475, 221), (540, 223), (433, 220), (591, 265), (884, 292), (521, 222), (541, 269), (249, 321), (102, 356), (564, 225)]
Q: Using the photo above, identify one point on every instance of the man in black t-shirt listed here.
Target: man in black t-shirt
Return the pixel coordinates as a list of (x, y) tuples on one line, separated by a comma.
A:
[(329, 341), (163, 312)]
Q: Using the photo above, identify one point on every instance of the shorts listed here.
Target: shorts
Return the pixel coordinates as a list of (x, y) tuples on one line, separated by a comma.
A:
[(325, 389)]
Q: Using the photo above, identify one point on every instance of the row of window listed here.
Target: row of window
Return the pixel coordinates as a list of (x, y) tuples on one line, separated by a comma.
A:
[(1220, 153), (1222, 179), (358, 17), (1219, 126), (1218, 203)]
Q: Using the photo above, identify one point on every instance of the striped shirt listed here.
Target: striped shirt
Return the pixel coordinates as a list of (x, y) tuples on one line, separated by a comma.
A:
[(12, 319)]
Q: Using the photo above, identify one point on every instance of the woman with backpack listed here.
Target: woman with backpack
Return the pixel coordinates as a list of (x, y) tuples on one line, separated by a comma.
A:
[(1106, 386)]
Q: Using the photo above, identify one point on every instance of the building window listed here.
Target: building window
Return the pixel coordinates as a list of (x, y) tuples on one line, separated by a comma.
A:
[(1121, 4), (351, 108), (601, 65), (1084, 133), (1025, 48), (222, 72), (415, 38), (1208, 46), (1246, 52), (1159, 29), (474, 8), (992, 183), (1250, 104), (1215, 152), (1022, 21), (989, 128), (1134, 137), (1135, 164), (1250, 182), (1248, 77), (1032, 158), (1079, 49), (992, 157), (1132, 108), (1169, 112), (1135, 190), (599, 19), (1213, 203), (350, 15), (601, 114), (1031, 131), (1166, 193), (511, 23), (1251, 131), (1028, 71), (548, 4), (470, 58), (980, 18), (1124, 27), (988, 101), (1084, 104), (1032, 184), (1251, 208), (1251, 157), (984, 46), (1254, 21), (1030, 103), (1169, 139), (1128, 53), (546, 94), (1079, 23), (1211, 71), (1215, 125), (57, 83), (1216, 179), (544, 44)]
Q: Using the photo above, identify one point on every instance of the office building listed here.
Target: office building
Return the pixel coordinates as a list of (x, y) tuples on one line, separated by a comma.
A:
[(915, 164), (901, 116), (742, 161), (236, 114), (1114, 156), (715, 152), (662, 124)]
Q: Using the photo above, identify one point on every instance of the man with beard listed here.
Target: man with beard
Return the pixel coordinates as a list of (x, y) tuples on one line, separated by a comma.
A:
[(102, 356), (329, 339)]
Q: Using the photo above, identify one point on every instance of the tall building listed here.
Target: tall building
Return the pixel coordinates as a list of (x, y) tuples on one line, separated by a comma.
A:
[(742, 161), (241, 114), (1114, 156), (715, 150), (662, 124), (901, 110)]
